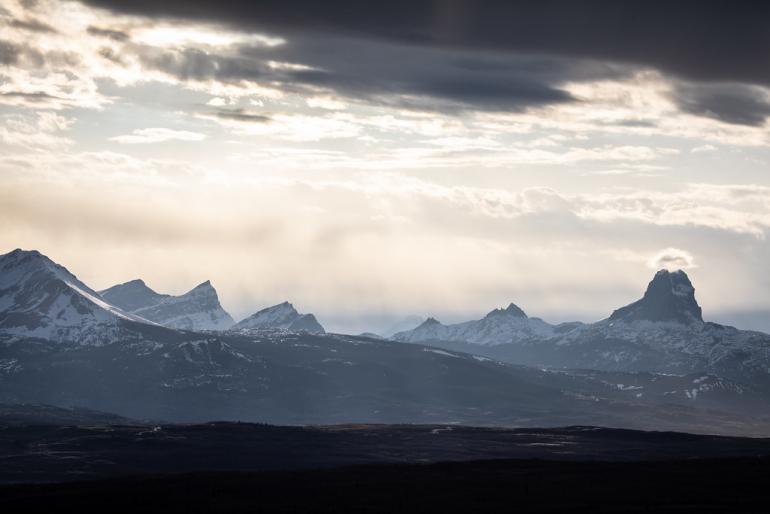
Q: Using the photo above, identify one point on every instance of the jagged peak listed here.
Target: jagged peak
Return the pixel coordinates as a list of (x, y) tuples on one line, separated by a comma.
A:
[(430, 321), (204, 288), (670, 296), (512, 310)]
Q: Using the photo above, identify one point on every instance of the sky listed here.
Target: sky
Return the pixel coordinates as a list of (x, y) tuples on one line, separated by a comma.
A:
[(370, 161)]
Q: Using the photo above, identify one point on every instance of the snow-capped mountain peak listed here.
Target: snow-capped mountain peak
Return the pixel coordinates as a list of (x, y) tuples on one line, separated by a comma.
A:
[(40, 298), (498, 327), (670, 297), (281, 316)]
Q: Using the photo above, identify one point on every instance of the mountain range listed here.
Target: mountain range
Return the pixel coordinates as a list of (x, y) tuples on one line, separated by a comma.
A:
[(664, 332), (42, 299), (142, 354)]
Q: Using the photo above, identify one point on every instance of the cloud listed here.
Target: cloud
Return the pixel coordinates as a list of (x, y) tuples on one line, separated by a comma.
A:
[(239, 114), (730, 103), (671, 259), (116, 35), (157, 135), (415, 78), (32, 24), (9, 53), (434, 248), (498, 57), (705, 41), (286, 54), (42, 130)]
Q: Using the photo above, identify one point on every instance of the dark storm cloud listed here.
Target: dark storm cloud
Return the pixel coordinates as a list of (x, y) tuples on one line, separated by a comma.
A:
[(384, 73), (432, 78), (483, 55), (701, 40), (730, 103)]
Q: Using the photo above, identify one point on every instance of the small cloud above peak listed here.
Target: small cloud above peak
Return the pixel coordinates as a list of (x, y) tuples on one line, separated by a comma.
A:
[(672, 259)]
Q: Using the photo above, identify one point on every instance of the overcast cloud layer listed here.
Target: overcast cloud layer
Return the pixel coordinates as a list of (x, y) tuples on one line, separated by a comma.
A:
[(370, 161)]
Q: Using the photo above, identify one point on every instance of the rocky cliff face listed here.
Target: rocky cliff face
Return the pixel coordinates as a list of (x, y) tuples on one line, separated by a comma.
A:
[(670, 296)]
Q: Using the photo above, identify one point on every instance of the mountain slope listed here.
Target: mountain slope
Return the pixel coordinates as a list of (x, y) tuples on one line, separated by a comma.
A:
[(300, 378), (39, 298), (282, 316), (198, 309)]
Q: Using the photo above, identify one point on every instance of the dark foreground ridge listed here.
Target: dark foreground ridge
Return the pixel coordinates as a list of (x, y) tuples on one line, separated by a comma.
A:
[(48, 447), (75, 460), (729, 486)]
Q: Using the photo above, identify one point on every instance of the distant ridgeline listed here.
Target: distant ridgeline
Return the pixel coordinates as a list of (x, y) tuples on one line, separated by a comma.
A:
[(128, 349)]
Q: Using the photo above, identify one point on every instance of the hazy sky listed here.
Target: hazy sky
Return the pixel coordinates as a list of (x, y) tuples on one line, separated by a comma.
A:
[(394, 158)]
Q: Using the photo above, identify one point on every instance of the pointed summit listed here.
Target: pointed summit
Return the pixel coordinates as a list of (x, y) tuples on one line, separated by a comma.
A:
[(511, 310), (203, 286), (430, 321), (670, 296)]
